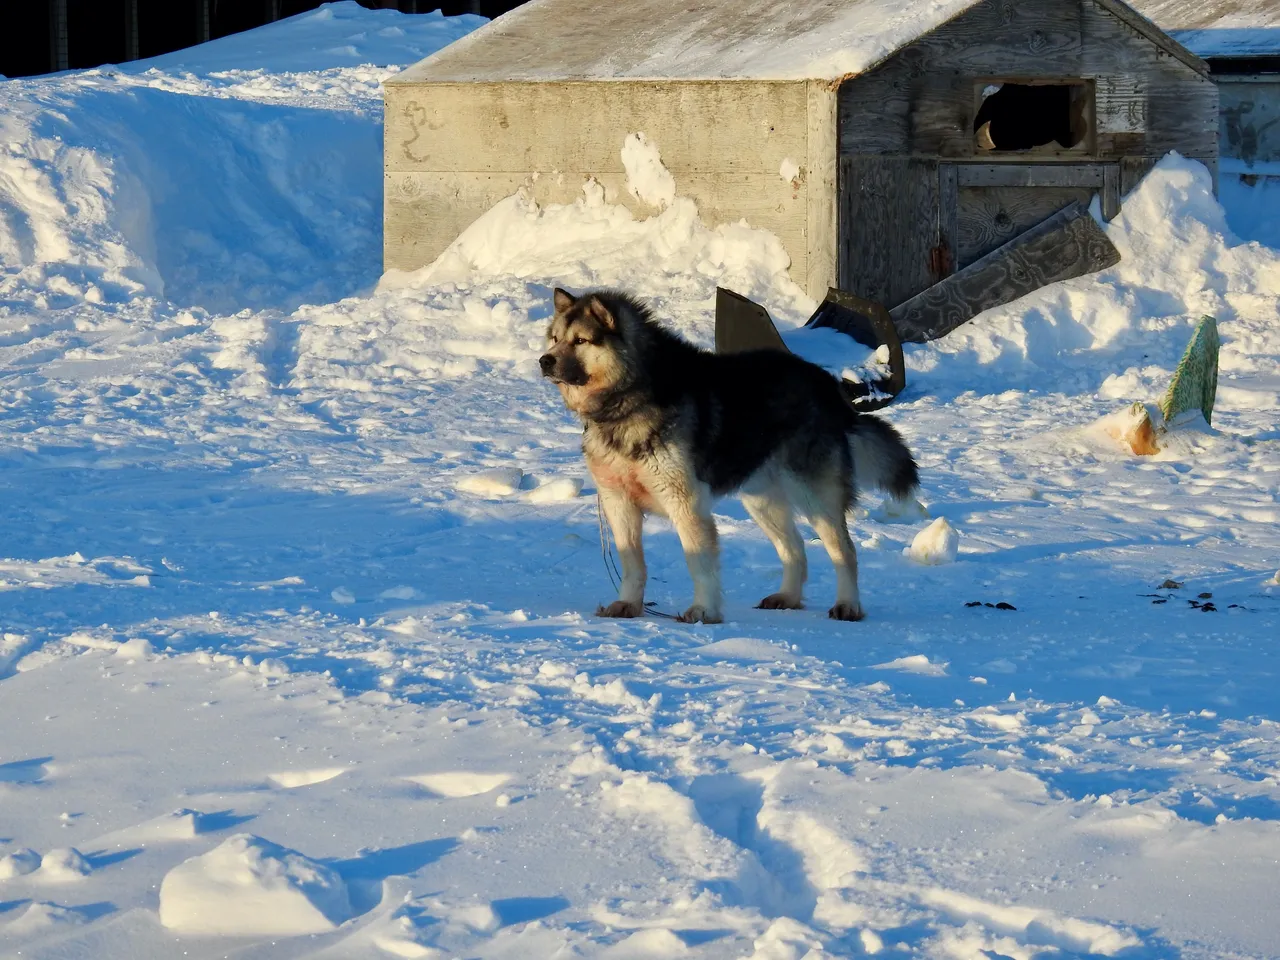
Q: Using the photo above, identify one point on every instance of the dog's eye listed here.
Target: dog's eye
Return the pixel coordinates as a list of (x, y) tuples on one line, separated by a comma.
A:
[(579, 341)]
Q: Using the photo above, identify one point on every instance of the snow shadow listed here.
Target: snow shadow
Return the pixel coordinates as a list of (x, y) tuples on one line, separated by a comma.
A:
[(730, 806), (394, 861), (24, 771), (527, 909), (101, 858), (364, 874), (243, 544), (223, 820)]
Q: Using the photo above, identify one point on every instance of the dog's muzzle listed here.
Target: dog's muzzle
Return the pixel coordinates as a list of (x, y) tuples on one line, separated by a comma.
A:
[(566, 370), (548, 364)]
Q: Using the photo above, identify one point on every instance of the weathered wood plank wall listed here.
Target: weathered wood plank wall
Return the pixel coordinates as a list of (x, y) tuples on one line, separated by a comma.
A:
[(921, 104), (889, 225), (1068, 244), (991, 217)]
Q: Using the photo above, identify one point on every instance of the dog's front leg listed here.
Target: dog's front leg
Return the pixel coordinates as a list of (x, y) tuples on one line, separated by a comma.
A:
[(697, 532), (626, 520)]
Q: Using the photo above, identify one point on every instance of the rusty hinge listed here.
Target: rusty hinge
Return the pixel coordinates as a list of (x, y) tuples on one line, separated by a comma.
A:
[(940, 262)]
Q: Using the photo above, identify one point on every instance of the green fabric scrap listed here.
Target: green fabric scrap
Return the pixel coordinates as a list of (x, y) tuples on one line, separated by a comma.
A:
[(1195, 382)]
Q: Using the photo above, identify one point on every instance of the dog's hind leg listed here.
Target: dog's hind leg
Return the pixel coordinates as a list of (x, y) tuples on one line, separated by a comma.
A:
[(771, 509), (626, 520), (828, 500)]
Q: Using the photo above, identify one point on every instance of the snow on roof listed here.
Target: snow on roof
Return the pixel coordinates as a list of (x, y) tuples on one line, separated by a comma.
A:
[(694, 40), (1218, 28)]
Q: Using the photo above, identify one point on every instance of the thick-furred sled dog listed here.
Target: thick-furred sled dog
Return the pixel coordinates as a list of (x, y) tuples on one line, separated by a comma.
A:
[(668, 427)]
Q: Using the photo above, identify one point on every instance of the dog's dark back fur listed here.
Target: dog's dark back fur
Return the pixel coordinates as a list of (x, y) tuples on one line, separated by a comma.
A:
[(743, 408)]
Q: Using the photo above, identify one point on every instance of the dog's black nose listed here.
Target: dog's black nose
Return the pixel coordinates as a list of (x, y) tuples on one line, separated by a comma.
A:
[(547, 362)]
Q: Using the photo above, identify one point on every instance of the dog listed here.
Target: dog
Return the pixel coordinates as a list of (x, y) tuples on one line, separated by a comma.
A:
[(667, 427)]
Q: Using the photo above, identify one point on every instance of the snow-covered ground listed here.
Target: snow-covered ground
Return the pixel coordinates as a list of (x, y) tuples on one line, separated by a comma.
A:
[(281, 678)]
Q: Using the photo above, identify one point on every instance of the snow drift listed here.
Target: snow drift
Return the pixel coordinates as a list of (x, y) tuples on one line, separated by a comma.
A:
[(201, 178), (248, 886)]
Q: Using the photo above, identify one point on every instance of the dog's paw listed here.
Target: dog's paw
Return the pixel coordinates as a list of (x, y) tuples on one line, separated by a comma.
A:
[(700, 614), (846, 611), (780, 601), (621, 608)]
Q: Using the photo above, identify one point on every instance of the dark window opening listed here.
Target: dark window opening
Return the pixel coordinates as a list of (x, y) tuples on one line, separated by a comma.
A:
[(1024, 116)]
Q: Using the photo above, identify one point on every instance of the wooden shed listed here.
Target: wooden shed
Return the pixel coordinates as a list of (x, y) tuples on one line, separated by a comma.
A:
[(887, 143)]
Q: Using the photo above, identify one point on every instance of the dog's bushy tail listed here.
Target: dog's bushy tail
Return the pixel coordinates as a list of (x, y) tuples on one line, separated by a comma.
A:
[(881, 459)]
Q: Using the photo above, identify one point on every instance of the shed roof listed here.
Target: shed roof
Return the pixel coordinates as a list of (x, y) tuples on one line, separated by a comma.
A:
[(701, 40), (1219, 28)]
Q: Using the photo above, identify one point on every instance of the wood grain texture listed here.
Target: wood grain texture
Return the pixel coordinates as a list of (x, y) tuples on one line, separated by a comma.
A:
[(740, 127), (1148, 30), (425, 211), (1181, 116), (1132, 170), (991, 217), (1120, 103), (949, 215), (822, 231), (888, 226), (1068, 244), (1111, 192), (1030, 175), (1160, 103)]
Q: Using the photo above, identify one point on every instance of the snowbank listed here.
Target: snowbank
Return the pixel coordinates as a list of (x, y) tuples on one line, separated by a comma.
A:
[(200, 177), (1121, 332), (594, 243), (63, 865), (17, 863), (342, 34), (248, 886)]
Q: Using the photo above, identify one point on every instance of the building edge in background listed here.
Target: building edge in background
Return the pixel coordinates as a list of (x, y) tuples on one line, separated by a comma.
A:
[(1240, 40), (45, 36)]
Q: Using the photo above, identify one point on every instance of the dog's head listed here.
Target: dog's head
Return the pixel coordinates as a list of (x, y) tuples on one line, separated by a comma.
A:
[(585, 355)]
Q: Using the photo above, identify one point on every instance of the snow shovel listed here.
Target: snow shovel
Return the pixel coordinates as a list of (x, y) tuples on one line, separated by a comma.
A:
[(743, 324)]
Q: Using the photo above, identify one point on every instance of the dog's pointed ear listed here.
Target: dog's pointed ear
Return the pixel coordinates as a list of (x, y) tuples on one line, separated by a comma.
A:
[(563, 300), (597, 308)]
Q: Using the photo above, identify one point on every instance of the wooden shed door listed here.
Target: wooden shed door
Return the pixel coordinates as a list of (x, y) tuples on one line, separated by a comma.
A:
[(890, 247), (997, 202)]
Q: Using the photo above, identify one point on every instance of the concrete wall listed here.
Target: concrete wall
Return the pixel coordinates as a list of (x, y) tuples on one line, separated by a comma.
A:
[(453, 150)]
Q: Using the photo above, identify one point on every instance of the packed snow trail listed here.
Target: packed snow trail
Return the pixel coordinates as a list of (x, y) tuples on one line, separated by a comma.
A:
[(271, 631)]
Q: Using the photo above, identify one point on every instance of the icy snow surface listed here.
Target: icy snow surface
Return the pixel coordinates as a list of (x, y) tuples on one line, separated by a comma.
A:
[(259, 641)]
